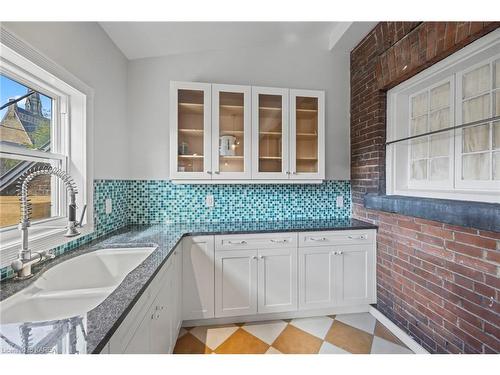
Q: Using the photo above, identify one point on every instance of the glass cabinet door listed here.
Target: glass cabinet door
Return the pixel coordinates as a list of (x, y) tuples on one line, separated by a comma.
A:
[(231, 132), (270, 133), (190, 132), (307, 134)]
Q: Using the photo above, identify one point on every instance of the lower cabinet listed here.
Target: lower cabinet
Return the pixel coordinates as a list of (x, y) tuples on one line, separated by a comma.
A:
[(237, 275), (152, 324), (255, 281), (336, 276)]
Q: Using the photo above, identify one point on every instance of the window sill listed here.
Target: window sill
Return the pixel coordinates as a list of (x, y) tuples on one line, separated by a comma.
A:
[(51, 240), (478, 215)]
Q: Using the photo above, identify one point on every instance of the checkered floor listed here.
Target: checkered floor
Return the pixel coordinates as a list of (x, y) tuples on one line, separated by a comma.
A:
[(340, 334)]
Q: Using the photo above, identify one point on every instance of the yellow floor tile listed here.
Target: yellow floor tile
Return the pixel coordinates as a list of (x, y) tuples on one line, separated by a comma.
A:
[(242, 342), (188, 344), (349, 338), (295, 341)]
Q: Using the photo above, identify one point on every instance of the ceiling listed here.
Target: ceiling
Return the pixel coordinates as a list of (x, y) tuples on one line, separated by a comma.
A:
[(150, 39)]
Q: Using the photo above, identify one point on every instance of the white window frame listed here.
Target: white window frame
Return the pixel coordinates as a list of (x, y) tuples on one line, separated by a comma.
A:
[(453, 67), (71, 134)]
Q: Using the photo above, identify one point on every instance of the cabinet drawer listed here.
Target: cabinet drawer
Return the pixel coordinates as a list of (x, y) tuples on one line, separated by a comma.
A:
[(347, 237), (255, 241)]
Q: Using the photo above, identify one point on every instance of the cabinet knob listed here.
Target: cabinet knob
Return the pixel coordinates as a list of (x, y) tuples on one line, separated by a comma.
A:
[(340, 253), (254, 257), (318, 239), (209, 172), (261, 256), (217, 172)]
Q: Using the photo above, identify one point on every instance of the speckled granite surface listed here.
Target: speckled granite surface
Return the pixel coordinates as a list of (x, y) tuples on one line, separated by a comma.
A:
[(90, 331)]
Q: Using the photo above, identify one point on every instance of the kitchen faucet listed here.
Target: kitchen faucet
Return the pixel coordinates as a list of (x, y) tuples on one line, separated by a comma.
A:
[(22, 265)]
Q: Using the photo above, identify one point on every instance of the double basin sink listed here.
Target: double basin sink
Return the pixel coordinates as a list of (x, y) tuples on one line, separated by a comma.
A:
[(73, 287)]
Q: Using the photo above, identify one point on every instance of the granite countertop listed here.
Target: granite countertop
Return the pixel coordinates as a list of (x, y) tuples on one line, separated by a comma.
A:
[(90, 331)]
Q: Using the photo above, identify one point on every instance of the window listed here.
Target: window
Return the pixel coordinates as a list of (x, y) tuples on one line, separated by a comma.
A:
[(48, 126), (462, 94)]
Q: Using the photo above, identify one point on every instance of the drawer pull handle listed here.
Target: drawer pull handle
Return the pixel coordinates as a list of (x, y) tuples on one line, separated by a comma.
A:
[(362, 237), (279, 241), (237, 242), (318, 239)]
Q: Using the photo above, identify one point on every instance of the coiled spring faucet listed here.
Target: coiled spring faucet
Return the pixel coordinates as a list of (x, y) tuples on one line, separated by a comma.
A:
[(26, 259)]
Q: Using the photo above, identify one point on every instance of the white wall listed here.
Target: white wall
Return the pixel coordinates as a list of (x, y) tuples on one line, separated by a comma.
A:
[(86, 51), (293, 67)]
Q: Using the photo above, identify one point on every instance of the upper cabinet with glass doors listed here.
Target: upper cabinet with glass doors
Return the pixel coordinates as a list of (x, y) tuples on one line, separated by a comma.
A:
[(253, 134), (190, 131), (307, 135)]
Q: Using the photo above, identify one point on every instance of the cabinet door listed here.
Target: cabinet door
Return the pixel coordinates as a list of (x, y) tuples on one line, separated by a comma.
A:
[(231, 132), (277, 280), (307, 134), (235, 283), (163, 312), (198, 277), (270, 133), (316, 277), (355, 282), (140, 343), (190, 130)]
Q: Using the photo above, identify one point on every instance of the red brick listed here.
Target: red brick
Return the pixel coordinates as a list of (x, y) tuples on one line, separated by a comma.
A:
[(478, 241), (464, 249)]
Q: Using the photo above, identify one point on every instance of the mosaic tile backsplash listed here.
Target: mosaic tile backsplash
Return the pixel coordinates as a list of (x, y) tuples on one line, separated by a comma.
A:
[(155, 202), (152, 202)]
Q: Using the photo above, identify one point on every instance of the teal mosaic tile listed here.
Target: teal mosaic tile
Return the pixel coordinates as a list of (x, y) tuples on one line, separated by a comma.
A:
[(154, 202), (162, 202)]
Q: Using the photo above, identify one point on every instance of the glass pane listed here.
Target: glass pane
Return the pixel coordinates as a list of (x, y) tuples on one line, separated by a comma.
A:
[(190, 130), (26, 123), (476, 109), (231, 132), (39, 191), (419, 170), (439, 169), (440, 144), (476, 81), (496, 165), (419, 105), (440, 119), (440, 96), (419, 148), (496, 135), (476, 138), (270, 133), (497, 74), (306, 116), (476, 167), (496, 99), (419, 125)]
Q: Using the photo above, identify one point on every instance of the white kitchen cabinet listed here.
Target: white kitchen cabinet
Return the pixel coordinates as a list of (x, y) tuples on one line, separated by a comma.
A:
[(355, 283), (270, 133), (244, 134), (235, 283), (307, 135), (277, 280), (231, 132), (190, 131), (316, 277), (178, 256), (163, 314), (198, 277), (140, 342)]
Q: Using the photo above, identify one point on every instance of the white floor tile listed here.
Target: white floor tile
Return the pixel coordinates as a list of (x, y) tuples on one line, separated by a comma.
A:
[(266, 331), (317, 326), (381, 346), (213, 337), (271, 350), (363, 321), (328, 348)]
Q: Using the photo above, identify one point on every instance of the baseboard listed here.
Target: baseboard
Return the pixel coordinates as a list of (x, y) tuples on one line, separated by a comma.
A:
[(398, 332), (274, 316)]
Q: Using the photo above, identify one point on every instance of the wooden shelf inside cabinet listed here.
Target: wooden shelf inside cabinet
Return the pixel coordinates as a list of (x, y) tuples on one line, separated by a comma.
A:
[(196, 132), (270, 108), (307, 135), (270, 157), (231, 132), (196, 108), (190, 156), (271, 134), (232, 156)]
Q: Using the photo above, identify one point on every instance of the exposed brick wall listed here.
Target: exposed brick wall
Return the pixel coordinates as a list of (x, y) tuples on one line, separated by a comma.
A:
[(434, 280)]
